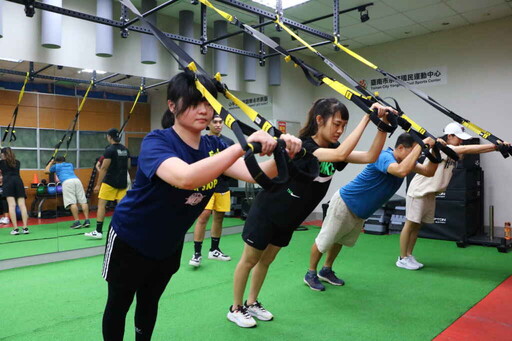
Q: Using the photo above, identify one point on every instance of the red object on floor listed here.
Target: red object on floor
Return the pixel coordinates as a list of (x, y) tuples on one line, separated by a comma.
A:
[(313, 222), (490, 319)]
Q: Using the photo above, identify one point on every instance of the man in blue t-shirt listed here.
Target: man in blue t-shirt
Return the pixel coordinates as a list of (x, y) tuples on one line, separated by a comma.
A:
[(72, 189), (359, 199)]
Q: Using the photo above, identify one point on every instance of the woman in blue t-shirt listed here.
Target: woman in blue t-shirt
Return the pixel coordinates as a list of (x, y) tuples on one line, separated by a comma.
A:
[(176, 176)]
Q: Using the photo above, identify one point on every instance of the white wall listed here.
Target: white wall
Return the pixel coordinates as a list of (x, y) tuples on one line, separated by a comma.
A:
[(477, 58)]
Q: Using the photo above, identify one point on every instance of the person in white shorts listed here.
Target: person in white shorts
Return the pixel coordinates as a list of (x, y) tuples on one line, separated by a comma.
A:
[(359, 199), (421, 195), (72, 189)]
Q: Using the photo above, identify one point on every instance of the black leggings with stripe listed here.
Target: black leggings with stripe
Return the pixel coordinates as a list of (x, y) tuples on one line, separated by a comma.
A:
[(131, 274)]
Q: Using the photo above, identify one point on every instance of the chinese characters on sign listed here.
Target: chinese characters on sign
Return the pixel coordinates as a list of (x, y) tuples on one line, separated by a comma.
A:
[(426, 77), (252, 102)]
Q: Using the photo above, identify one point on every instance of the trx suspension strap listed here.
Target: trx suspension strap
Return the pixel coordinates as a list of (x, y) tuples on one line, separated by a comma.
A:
[(506, 151), (68, 135), (309, 169), (141, 89), (405, 122), (238, 128), (314, 76), (11, 127)]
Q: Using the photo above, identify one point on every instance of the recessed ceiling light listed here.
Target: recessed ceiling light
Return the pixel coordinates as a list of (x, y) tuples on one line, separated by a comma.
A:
[(445, 23), (98, 72), (407, 32), (286, 3)]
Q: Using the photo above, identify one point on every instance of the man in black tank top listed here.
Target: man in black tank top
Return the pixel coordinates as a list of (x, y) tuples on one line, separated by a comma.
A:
[(112, 179)]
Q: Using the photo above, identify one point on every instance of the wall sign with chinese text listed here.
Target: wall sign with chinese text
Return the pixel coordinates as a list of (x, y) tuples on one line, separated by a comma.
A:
[(426, 77)]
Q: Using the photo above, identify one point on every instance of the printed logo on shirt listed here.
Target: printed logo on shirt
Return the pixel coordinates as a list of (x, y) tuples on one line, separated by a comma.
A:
[(194, 199), (213, 152), (327, 168), (122, 152), (208, 186)]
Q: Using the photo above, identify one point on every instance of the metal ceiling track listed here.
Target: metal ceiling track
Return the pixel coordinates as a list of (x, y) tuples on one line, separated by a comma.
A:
[(125, 24)]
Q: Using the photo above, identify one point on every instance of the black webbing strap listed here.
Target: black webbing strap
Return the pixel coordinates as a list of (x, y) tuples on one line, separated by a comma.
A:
[(421, 132), (10, 130), (70, 132), (314, 76), (505, 150), (188, 63), (141, 89)]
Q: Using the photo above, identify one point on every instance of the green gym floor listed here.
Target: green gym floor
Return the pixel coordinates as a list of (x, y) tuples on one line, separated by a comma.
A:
[(65, 300)]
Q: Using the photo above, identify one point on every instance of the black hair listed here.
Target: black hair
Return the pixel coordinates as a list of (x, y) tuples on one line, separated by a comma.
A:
[(114, 134), (445, 137), (60, 159), (183, 93), (404, 139), (167, 119), (325, 107)]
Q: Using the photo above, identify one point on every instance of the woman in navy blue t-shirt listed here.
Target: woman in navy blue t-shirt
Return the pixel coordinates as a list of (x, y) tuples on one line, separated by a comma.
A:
[(176, 176)]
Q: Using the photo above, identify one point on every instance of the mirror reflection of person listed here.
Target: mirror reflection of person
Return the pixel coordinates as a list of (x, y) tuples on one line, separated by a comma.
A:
[(72, 189), (13, 189), (112, 179), (219, 204), (4, 208)]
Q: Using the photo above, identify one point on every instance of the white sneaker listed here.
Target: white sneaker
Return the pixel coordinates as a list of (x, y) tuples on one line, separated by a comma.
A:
[(196, 260), (4, 220), (257, 310), (218, 255), (94, 234), (414, 261), (405, 263), (241, 317)]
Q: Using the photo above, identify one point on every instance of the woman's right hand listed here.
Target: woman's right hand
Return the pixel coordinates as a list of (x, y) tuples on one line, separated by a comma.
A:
[(268, 143)]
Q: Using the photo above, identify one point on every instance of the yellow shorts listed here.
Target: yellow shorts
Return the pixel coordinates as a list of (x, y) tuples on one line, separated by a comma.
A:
[(110, 193), (220, 202)]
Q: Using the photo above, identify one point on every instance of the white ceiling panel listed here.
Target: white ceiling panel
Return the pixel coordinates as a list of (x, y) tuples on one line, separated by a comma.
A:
[(358, 30), (439, 23), (430, 13), (407, 31), (469, 5), (407, 5), (488, 13), (374, 39), (309, 10), (352, 44), (389, 22)]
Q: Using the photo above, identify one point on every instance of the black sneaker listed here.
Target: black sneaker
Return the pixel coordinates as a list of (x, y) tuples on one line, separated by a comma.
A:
[(76, 225), (327, 275), (313, 282)]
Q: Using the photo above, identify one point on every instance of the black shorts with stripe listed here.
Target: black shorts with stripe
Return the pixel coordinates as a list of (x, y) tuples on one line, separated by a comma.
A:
[(126, 267)]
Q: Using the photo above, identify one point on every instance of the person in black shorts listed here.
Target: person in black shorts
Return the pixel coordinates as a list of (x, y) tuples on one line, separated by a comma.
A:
[(112, 178), (219, 204), (176, 176), (13, 189), (4, 208), (275, 214)]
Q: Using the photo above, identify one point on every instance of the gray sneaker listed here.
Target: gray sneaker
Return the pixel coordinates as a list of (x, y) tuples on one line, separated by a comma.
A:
[(313, 282), (327, 275)]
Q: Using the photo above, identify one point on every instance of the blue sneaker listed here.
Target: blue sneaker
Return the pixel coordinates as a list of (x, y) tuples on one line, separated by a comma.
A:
[(327, 275), (313, 282)]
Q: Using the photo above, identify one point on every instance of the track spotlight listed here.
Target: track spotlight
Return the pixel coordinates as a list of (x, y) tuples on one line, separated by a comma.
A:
[(363, 12)]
